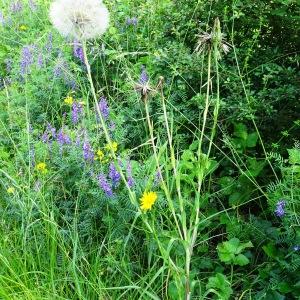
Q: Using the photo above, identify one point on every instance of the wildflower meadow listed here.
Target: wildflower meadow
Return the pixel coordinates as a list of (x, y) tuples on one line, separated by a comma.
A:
[(149, 149)]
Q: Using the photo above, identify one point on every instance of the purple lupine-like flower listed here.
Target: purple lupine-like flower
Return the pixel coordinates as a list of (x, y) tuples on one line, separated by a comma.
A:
[(114, 175), (51, 130), (26, 59), (279, 211), (76, 112), (62, 138), (45, 137), (40, 60), (130, 180), (49, 44), (16, 6), (296, 248), (103, 107), (144, 78), (32, 5), (131, 21), (157, 178), (78, 51), (88, 153), (105, 185)]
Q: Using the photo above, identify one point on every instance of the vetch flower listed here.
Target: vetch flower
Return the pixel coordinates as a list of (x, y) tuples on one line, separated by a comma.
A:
[(16, 6), (130, 180), (296, 248), (103, 107), (88, 153), (26, 59), (79, 19), (114, 175), (41, 168), (279, 211), (76, 112), (131, 21), (78, 51), (147, 200), (103, 183), (32, 5)]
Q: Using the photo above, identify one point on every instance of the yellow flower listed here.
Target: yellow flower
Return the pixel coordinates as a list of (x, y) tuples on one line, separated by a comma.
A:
[(69, 100), (23, 27), (41, 167), (113, 146), (147, 200), (11, 190), (100, 155)]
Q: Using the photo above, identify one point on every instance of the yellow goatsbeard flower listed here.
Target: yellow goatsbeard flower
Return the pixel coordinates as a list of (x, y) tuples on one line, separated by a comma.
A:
[(147, 200), (69, 100), (41, 167)]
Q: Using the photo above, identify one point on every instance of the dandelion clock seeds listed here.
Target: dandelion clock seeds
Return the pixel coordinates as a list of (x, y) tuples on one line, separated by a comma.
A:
[(79, 19)]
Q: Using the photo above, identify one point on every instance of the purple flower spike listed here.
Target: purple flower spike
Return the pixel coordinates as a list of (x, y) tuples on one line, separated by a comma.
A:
[(76, 112), (103, 107), (105, 185), (144, 76), (2, 20), (279, 211), (296, 248), (26, 59), (88, 153), (16, 6), (130, 180), (62, 138), (114, 175), (32, 5), (78, 51)]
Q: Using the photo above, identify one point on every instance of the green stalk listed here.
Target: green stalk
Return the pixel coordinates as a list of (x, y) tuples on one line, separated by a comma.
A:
[(103, 124)]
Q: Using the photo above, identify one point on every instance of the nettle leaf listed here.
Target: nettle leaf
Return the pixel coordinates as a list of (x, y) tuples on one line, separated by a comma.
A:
[(241, 260), (230, 252), (240, 130), (220, 284)]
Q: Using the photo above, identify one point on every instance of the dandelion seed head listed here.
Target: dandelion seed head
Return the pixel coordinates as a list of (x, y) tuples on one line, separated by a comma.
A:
[(79, 19)]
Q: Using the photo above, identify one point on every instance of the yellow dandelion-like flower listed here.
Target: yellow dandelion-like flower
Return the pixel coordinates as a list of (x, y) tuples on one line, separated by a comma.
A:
[(99, 155), (147, 200), (69, 100), (11, 190), (113, 146), (41, 167), (23, 27)]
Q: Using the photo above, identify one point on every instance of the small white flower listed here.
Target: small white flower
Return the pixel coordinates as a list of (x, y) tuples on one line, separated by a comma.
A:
[(79, 19)]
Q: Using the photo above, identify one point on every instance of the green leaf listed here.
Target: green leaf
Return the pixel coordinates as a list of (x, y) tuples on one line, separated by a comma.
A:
[(221, 285), (241, 260), (252, 139), (294, 156)]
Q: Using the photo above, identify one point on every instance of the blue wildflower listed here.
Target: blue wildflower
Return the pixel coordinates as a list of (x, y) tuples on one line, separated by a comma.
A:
[(279, 211), (105, 185), (103, 107), (16, 6), (26, 59), (88, 153), (76, 112), (130, 180), (114, 175), (78, 51), (144, 78)]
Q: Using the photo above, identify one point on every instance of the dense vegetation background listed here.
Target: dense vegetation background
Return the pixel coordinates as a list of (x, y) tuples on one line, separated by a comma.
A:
[(217, 141)]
